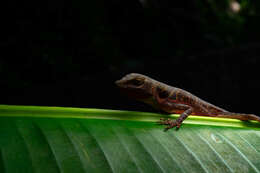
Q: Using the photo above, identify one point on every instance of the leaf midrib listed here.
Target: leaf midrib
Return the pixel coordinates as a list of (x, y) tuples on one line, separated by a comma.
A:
[(93, 113)]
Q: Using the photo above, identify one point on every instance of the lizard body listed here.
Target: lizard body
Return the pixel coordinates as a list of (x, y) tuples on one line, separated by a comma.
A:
[(173, 100)]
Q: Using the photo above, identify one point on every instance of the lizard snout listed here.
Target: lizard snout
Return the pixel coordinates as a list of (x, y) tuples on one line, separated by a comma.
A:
[(119, 83)]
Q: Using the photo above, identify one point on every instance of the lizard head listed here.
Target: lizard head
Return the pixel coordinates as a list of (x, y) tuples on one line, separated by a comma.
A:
[(136, 86)]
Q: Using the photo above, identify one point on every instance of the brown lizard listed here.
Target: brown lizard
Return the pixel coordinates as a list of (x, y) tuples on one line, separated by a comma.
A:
[(173, 100)]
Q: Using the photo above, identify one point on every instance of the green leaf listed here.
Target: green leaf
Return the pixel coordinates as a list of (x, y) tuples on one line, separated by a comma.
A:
[(56, 139)]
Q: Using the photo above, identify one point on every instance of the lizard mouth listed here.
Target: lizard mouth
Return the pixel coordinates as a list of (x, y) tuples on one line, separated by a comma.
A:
[(119, 83)]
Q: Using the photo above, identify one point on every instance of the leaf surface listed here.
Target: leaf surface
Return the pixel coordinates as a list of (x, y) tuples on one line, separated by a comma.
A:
[(57, 139)]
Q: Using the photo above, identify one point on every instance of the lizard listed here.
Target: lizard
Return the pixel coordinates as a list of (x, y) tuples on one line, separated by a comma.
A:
[(173, 100)]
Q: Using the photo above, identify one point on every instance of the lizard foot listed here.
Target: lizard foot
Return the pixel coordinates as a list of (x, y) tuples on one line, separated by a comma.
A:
[(169, 123)]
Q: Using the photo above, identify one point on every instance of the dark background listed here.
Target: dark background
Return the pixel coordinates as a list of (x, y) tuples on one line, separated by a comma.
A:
[(58, 53)]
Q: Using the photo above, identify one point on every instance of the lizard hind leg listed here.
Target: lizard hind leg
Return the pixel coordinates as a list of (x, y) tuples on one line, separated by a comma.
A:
[(243, 117), (175, 123)]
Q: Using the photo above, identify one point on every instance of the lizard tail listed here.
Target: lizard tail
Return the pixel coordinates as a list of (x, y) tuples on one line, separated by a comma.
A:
[(239, 116)]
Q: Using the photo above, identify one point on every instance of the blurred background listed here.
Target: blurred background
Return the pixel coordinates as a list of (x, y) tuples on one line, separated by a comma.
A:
[(59, 53)]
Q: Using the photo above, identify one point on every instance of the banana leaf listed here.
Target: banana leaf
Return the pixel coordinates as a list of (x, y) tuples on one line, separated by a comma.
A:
[(77, 140)]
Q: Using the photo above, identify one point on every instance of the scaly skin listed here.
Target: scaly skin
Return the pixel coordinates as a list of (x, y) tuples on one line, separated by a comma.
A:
[(173, 100)]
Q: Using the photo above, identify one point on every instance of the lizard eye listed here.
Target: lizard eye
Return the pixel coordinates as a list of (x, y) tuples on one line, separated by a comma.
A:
[(137, 82), (162, 93)]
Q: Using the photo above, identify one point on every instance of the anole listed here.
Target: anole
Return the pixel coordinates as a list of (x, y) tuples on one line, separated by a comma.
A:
[(173, 100)]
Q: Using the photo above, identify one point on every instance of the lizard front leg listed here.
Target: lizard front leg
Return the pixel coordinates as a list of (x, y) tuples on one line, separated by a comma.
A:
[(175, 123), (171, 107)]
